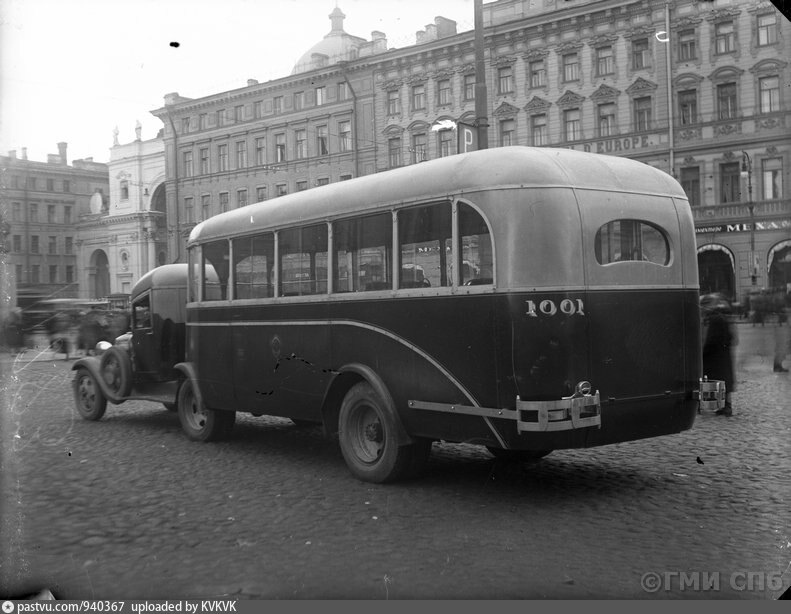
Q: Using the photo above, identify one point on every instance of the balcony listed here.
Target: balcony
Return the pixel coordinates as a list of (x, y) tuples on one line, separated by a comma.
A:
[(740, 212)]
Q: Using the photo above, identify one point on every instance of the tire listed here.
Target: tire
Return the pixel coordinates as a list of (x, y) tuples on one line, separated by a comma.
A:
[(116, 369), (518, 456), (367, 432), (91, 403), (199, 422)]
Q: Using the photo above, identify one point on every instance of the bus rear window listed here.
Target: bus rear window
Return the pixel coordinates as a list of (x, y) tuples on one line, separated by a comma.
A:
[(630, 241)]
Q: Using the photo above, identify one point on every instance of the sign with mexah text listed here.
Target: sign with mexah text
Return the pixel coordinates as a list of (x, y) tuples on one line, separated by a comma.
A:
[(745, 227)]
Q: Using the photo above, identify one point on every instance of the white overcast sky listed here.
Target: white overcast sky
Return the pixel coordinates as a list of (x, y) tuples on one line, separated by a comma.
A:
[(72, 70)]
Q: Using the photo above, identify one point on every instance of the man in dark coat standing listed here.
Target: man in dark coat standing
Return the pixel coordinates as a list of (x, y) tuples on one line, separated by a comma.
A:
[(718, 344)]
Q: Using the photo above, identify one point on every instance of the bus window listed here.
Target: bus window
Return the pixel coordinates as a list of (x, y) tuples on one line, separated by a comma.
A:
[(254, 259), (141, 312), (476, 248), (424, 237), (215, 271), (631, 240), (194, 274), (363, 247), (303, 261)]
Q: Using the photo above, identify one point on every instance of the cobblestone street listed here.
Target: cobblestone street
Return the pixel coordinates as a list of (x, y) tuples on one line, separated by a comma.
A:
[(127, 507)]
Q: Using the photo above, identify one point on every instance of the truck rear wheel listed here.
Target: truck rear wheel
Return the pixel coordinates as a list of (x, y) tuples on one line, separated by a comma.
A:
[(199, 422)]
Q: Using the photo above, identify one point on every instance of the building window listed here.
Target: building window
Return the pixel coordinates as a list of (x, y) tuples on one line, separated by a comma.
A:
[(222, 158), (18, 243), (241, 198), (730, 190), (205, 167), (52, 247), (241, 154), (393, 102), (68, 247), (189, 212), (300, 140), (51, 214), (343, 91), (640, 57), (35, 274), (604, 61), (302, 186), (443, 91), (538, 130), (767, 29), (642, 114), (345, 177), (321, 95), (220, 117), (769, 88), (205, 204), (690, 181), (469, 87), (34, 244), (571, 125), (418, 97), (260, 151), (345, 135), (507, 132), (322, 141), (185, 125), (687, 46), (299, 101), (16, 212), (69, 273), (281, 189), (53, 274), (726, 100), (258, 109), (505, 80), (280, 147), (18, 270), (277, 104), (323, 181), (31, 183), (538, 73), (187, 171), (394, 152), (223, 202), (34, 213), (445, 143), (688, 106), (723, 37), (419, 148), (772, 178), (203, 122), (238, 113), (66, 186), (67, 214), (260, 193), (50, 185), (571, 67), (606, 119)]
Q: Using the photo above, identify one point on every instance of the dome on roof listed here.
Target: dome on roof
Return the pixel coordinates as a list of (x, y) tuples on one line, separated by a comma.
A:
[(334, 47)]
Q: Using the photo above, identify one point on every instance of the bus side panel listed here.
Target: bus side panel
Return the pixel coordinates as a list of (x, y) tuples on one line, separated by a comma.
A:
[(210, 347)]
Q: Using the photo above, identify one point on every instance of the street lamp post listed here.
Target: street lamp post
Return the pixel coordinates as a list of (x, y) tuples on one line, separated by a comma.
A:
[(747, 169)]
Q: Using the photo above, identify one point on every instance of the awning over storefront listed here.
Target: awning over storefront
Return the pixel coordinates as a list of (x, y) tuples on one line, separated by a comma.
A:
[(720, 248)]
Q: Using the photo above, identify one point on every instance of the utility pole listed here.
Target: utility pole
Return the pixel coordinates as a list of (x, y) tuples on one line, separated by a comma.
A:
[(481, 121), (747, 169)]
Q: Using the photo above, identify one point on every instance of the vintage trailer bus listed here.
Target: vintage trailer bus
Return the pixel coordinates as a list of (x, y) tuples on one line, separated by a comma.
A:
[(524, 299)]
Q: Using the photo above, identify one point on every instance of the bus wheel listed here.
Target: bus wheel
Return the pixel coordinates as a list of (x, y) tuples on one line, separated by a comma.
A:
[(518, 456), (116, 370), (199, 422), (88, 397), (367, 434)]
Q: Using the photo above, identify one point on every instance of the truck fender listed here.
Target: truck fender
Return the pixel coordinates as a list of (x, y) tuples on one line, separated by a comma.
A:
[(190, 372), (344, 379), (93, 365)]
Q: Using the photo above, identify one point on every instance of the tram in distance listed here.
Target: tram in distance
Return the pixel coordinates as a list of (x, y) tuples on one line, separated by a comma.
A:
[(523, 299)]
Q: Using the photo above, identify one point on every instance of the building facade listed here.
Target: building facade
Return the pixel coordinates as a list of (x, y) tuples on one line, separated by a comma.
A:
[(42, 203), (121, 242), (693, 88)]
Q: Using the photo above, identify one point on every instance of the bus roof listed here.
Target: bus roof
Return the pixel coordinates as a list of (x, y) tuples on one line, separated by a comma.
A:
[(167, 275), (491, 168)]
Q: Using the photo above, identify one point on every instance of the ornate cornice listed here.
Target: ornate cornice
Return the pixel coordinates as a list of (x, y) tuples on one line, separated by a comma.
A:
[(605, 92), (726, 14), (535, 54), (569, 46), (503, 60), (506, 110), (724, 73), (641, 86), (639, 32), (392, 84), (537, 104), (768, 66), (570, 99), (603, 40), (687, 78), (685, 22)]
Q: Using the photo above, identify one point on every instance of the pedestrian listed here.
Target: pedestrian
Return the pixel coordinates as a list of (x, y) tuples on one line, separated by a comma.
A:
[(718, 346), (13, 332), (781, 335)]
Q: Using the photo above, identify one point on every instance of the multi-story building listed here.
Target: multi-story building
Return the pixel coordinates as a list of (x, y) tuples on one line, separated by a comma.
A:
[(121, 242), (693, 88), (41, 205)]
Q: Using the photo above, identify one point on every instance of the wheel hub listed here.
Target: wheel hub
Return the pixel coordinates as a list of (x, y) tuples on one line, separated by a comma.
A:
[(373, 432)]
